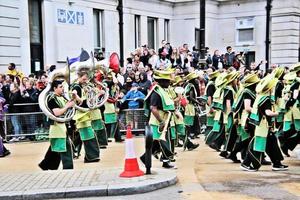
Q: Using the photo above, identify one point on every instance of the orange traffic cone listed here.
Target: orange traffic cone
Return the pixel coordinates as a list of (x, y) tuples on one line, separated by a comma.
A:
[(131, 165)]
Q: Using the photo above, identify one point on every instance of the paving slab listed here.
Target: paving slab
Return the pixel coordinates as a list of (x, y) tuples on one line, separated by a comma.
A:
[(84, 183)]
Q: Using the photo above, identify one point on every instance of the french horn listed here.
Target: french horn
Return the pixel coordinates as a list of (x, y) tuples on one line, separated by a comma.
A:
[(58, 74)]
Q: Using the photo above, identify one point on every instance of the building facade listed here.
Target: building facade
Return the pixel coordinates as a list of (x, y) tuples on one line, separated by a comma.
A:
[(35, 33)]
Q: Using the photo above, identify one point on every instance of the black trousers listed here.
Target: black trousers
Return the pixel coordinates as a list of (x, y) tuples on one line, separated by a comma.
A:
[(231, 138), (289, 139), (52, 159), (154, 147), (272, 149), (113, 131)]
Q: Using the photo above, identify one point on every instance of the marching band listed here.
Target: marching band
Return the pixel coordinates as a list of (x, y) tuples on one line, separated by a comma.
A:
[(246, 114)]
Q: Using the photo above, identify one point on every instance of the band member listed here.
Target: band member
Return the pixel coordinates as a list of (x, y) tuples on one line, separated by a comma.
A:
[(176, 92), (162, 127), (110, 111), (264, 140), (291, 126), (97, 122), (242, 108), (216, 136), (191, 92), (229, 119), (83, 119), (60, 148), (209, 92), (277, 97)]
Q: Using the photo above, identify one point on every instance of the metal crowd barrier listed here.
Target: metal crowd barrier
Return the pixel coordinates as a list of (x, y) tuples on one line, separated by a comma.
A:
[(134, 117), (32, 125)]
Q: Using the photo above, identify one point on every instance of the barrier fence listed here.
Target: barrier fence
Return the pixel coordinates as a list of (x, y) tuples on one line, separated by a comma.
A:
[(29, 125), (35, 125)]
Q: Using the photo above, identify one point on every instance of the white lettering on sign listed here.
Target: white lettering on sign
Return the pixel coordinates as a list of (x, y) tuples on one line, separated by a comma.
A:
[(70, 17)]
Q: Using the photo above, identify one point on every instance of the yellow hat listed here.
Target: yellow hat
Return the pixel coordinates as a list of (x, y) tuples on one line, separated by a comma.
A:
[(159, 75), (250, 79), (220, 80), (278, 72), (213, 75), (231, 76), (191, 76), (291, 76), (266, 84), (177, 80), (295, 67)]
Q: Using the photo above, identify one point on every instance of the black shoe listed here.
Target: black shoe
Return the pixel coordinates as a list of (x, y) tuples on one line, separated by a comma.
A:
[(280, 167), (247, 168), (233, 158), (179, 145), (91, 161), (265, 162), (172, 160), (223, 154), (42, 167), (109, 140), (285, 151), (194, 146), (167, 165), (120, 140), (103, 147)]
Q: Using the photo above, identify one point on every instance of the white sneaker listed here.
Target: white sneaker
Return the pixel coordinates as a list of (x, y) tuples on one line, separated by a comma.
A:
[(15, 139), (22, 138)]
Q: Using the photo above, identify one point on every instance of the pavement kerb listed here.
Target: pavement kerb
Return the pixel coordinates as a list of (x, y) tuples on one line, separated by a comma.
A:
[(160, 178)]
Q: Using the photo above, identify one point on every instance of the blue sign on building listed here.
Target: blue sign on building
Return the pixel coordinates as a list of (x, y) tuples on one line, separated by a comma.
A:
[(80, 18), (61, 15), (70, 17)]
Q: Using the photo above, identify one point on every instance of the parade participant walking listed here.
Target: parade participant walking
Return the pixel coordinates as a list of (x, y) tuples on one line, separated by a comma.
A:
[(191, 92), (83, 118), (161, 121), (291, 126), (209, 92), (242, 108), (60, 147), (176, 92), (216, 136), (264, 140), (110, 114), (96, 117), (277, 97), (231, 81)]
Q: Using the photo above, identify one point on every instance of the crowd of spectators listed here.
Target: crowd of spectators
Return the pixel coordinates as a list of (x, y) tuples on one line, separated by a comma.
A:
[(19, 94)]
